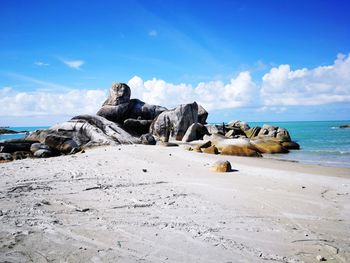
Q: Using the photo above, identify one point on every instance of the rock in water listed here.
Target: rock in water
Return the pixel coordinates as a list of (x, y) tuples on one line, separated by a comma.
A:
[(195, 132), (174, 123), (240, 150), (269, 146), (222, 167)]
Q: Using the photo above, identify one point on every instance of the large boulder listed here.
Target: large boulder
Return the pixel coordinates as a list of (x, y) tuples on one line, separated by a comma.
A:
[(202, 115), (174, 123), (238, 124), (115, 114), (11, 146), (136, 127), (118, 107), (138, 109), (119, 93), (195, 132), (216, 129), (269, 146), (83, 131), (252, 132), (268, 131), (240, 150)]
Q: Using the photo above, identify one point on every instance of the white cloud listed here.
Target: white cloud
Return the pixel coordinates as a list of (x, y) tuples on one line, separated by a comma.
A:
[(38, 103), (238, 92), (75, 64), (321, 85), (153, 33), (41, 64)]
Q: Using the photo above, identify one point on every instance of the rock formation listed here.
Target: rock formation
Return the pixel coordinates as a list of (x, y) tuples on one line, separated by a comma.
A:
[(122, 120)]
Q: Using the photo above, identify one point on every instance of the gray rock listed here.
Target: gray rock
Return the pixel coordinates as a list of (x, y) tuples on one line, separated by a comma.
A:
[(38, 146), (195, 132), (174, 123), (11, 146), (21, 155), (239, 124), (144, 111), (148, 139), (83, 131), (268, 130), (6, 156), (119, 93), (137, 127), (114, 113), (42, 153), (216, 129), (283, 135), (202, 115)]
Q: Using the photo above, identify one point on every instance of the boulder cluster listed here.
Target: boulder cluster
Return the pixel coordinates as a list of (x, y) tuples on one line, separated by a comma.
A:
[(122, 120)]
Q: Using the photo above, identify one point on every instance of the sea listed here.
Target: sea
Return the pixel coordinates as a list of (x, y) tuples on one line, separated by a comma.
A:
[(322, 142)]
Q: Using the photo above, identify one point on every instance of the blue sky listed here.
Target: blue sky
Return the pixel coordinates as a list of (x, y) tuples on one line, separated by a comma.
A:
[(249, 60)]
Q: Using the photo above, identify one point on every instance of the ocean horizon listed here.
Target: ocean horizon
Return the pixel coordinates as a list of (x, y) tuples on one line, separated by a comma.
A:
[(321, 142)]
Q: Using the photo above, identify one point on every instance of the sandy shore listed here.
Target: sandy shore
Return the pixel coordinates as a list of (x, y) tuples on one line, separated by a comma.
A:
[(163, 204)]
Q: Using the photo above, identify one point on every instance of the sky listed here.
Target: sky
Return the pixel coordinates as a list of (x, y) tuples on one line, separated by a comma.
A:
[(249, 60)]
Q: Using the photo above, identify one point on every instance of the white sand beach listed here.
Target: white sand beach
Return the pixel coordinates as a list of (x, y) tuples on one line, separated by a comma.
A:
[(136, 203)]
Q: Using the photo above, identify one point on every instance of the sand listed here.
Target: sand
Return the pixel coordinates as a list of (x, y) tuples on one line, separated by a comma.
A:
[(138, 203)]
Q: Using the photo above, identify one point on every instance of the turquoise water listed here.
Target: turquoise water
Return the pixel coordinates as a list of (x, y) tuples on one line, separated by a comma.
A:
[(322, 142), (20, 135)]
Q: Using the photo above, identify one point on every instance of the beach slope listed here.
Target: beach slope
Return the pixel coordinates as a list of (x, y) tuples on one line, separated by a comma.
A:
[(163, 204)]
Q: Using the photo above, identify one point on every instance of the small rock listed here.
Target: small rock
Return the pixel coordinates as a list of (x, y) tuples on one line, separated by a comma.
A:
[(221, 167), (41, 153), (144, 170), (320, 258)]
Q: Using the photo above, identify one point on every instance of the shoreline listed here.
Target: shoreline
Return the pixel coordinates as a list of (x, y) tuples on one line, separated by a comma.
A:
[(154, 203)]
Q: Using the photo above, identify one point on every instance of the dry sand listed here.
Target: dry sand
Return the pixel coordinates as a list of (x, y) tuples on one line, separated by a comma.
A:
[(163, 204)]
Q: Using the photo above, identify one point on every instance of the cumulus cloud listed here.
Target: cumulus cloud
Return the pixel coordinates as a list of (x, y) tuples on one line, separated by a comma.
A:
[(238, 92), (153, 33), (321, 85), (38, 103), (75, 64)]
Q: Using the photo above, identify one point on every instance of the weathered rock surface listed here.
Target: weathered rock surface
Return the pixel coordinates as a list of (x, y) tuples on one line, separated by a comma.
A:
[(118, 107), (222, 167), (211, 150), (202, 115), (11, 146), (119, 93), (238, 124), (83, 131), (174, 123), (240, 150), (269, 146), (6, 156), (195, 132), (42, 153), (148, 139), (137, 127)]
